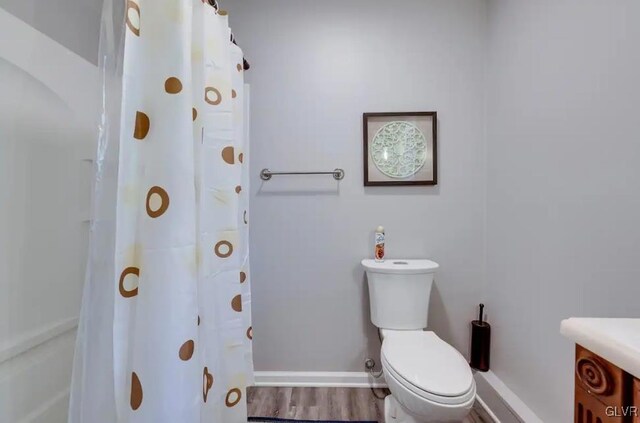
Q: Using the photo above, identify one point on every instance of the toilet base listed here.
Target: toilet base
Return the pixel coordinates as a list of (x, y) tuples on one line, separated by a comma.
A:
[(395, 413)]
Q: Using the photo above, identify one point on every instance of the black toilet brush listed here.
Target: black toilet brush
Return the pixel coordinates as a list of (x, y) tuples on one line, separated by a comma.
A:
[(480, 342)]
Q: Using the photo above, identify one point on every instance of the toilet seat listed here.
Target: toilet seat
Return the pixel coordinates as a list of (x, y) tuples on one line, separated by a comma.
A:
[(427, 366)]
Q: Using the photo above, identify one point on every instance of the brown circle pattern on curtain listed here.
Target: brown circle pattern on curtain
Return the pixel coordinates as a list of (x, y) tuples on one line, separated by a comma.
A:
[(228, 155), (233, 397), (236, 303), (212, 91), (136, 392), (207, 383), (220, 252), (164, 202), (132, 7), (173, 85), (142, 126), (128, 293), (186, 350)]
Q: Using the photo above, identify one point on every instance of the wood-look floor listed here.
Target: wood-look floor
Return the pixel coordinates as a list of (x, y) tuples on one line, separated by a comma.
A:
[(328, 404)]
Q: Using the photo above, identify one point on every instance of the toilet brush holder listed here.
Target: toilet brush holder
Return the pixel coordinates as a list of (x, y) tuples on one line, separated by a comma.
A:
[(480, 343)]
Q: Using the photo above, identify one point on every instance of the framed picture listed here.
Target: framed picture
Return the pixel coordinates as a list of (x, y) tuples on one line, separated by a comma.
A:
[(400, 148)]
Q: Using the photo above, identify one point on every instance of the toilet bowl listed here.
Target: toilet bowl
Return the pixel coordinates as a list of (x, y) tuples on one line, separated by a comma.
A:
[(430, 381)]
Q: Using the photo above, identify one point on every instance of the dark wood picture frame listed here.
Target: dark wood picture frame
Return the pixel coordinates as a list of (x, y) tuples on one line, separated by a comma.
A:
[(365, 119)]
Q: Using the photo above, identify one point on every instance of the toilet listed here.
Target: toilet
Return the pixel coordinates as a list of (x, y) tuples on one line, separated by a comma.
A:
[(429, 380)]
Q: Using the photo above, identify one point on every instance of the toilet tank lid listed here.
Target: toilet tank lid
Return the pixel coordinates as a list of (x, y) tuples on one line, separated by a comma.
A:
[(400, 266)]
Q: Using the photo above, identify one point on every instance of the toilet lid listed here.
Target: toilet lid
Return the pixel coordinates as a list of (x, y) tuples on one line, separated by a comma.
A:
[(428, 363)]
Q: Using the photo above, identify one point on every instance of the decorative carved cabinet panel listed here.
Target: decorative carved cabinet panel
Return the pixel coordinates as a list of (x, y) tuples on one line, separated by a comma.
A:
[(604, 393), (636, 400)]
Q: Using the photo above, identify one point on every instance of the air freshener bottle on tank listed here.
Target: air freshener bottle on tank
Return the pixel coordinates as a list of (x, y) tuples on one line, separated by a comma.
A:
[(379, 245)]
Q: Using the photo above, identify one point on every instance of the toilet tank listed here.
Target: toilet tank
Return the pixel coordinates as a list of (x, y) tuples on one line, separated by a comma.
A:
[(399, 292)]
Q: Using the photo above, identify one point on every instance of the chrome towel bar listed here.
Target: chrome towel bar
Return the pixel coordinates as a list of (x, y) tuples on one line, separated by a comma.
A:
[(266, 174)]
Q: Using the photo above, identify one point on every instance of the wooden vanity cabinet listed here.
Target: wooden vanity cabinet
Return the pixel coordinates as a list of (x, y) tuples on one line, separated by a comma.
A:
[(604, 393)]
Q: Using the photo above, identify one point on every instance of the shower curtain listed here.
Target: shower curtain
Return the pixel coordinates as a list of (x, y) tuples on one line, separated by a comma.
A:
[(165, 331)]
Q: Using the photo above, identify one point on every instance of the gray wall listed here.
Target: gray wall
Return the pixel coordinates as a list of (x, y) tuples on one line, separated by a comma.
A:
[(73, 23), (317, 66), (563, 184)]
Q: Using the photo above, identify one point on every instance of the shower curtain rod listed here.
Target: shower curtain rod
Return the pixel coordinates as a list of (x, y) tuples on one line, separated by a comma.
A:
[(245, 64)]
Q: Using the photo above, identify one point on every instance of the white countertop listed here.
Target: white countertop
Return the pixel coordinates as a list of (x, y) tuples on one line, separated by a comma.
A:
[(615, 340)]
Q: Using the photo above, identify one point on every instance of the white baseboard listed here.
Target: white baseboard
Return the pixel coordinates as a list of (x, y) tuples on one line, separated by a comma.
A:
[(487, 410), (503, 402), (319, 379)]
